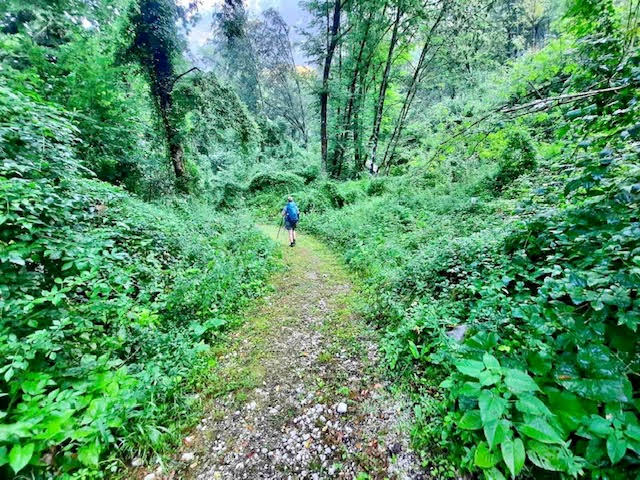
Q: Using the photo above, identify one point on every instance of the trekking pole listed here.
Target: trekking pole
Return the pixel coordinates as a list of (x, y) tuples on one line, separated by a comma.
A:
[(280, 228)]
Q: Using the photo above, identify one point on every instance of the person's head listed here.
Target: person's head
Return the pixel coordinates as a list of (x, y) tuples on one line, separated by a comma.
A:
[(290, 199)]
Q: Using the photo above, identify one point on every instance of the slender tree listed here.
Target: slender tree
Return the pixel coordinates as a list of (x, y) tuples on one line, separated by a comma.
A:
[(281, 92), (384, 84), (418, 74), (346, 124), (237, 55), (332, 42)]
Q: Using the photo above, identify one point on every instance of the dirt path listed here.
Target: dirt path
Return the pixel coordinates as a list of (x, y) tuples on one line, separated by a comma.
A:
[(301, 356)]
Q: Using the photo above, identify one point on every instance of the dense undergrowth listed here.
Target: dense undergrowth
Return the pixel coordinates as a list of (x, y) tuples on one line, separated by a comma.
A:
[(108, 303), (499, 246), (522, 235)]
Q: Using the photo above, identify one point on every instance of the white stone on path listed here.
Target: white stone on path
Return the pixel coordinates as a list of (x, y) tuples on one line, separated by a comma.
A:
[(187, 457)]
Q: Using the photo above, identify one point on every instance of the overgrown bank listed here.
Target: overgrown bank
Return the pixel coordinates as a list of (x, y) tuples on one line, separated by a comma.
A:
[(108, 304)]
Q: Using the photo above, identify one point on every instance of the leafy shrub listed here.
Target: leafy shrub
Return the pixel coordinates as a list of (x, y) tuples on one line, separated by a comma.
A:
[(330, 189), (567, 394), (517, 157), (351, 192), (341, 194), (377, 186), (310, 172), (272, 180), (107, 302), (311, 200), (229, 194)]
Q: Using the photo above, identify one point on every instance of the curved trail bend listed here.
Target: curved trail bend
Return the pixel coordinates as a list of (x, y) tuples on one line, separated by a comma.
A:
[(300, 353)]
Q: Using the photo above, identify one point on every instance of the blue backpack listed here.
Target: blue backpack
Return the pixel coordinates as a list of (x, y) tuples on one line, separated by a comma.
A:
[(292, 212)]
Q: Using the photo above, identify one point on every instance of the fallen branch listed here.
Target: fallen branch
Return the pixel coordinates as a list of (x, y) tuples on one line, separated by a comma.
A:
[(534, 106), (545, 103)]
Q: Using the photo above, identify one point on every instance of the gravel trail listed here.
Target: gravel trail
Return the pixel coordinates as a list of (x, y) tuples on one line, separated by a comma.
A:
[(301, 397)]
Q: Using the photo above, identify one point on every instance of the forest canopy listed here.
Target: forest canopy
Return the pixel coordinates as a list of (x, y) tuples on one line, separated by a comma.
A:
[(476, 164)]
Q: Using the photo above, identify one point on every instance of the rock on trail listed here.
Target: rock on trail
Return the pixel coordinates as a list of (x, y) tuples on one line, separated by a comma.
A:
[(300, 397)]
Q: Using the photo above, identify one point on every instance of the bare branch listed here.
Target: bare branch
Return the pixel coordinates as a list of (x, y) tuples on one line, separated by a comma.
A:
[(175, 80), (546, 103)]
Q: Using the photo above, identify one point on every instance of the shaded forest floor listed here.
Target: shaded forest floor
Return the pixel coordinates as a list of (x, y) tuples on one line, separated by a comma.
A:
[(284, 379)]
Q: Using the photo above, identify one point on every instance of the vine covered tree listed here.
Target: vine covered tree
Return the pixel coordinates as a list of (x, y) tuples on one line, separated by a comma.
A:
[(157, 45)]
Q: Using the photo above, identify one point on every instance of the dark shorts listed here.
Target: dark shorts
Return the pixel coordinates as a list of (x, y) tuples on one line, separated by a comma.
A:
[(289, 225)]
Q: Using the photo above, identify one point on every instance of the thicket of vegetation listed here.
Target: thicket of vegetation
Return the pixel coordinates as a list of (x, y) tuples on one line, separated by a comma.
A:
[(108, 304), (477, 163)]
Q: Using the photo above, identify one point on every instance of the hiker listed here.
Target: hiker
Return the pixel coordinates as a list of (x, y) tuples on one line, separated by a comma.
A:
[(291, 216)]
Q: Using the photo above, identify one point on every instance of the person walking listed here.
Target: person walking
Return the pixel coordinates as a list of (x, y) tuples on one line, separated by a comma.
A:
[(291, 215)]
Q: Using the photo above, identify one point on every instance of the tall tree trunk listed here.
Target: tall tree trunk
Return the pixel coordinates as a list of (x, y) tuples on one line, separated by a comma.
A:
[(303, 114), (341, 136), (358, 148), (162, 89), (324, 94), (173, 142), (377, 117), (336, 168), (418, 73)]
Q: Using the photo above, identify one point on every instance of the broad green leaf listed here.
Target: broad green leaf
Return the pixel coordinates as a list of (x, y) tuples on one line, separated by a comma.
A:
[(518, 381), (20, 455), (513, 455), (567, 407), (547, 457), (471, 368), (634, 445), (599, 426), (595, 451), (483, 340), (633, 431), (539, 364), (215, 323), (89, 454), (616, 448), (485, 458), (599, 360), (608, 390), (492, 405), (493, 474), (4, 456), (528, 403), (11, 430), (470, 389), (414, 350), (471, 420), (446, 384), (488, 378), (495, 431), (490, 361), (539, 429), (15, 257)]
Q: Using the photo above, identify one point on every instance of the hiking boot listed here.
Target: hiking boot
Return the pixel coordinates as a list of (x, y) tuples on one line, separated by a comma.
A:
[(292, 244)]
